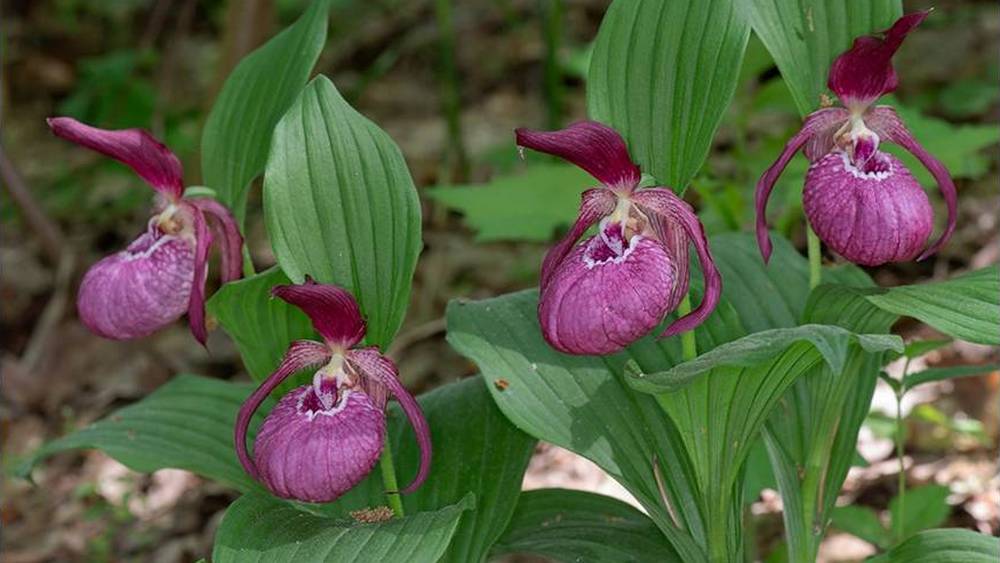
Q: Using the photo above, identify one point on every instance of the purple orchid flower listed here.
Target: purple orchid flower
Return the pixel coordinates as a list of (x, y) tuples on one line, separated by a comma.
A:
[(863, 203), (616, 286), (162, 273), (323, 439)]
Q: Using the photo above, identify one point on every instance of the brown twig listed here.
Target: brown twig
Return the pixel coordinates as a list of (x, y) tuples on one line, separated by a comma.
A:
[(47, 230), (414, 335)]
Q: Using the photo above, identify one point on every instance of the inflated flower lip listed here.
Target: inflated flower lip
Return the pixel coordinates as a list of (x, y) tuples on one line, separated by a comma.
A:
[(162, 274), (613, 288), (862, 202), (323, 439)]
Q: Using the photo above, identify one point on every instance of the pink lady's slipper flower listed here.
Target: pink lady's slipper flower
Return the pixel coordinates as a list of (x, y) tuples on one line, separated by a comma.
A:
[(158, 277), (323, 439), (863, 203), (601, 295)]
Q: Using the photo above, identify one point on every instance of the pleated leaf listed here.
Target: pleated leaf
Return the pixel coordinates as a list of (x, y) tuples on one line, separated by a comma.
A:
[(663, 74), (966, 307), (805, 36), (570, 526), (340, 206), (237, 134), (261, 326), (949, 545), (259, 528)]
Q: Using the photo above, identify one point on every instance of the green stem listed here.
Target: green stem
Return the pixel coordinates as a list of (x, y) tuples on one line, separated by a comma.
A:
[(900, 445), (552, 31), (450, 99), (389, 481), (815, 258), (689, 347), (247, 262)]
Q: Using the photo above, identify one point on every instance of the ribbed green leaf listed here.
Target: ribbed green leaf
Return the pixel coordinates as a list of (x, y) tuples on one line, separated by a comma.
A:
[(259, 528), (186, 424), (341, 206), (804, 36), (966, 307), (940, 374), (662, 74), (261, 326), (829, 343), (950, 545), (571, 526), (237, 134)]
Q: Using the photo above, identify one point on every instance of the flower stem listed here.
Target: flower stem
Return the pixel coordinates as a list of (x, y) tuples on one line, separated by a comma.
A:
[(389, 481), (248, 270), (689, 347), (900, 445), (815, 257), (552, 30)]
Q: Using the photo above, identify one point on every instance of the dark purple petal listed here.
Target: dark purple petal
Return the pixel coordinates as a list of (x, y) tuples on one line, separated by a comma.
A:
[(310, 451), (593, 146), (886, 123), (141, 289), (196, 306), (870, 216), (815, 130), (862, 74), (663, 202), (150, 159), (227, 231), (333, 310), (596, 203), (372, 364), (301, 354), (603, 296)]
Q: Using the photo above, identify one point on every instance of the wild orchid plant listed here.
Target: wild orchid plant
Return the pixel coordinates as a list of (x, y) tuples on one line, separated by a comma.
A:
[(591, 361)]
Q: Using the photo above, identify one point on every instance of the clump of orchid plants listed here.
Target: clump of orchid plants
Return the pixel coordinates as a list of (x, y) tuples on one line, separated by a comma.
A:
[(599, 296), (862, 202), (162, 273), (322, 439)]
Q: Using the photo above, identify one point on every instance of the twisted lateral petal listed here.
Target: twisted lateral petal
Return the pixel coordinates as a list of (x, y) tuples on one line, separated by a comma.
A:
[(886, 123), (150, 159), (863, 73), (312, 451), (370, 363), (301, 354), (595, 204), (663, 202), (816, 126), (676, 242), (872, 215), (333, 310), (226, 230), (196, 305), (593, 146), (139, 290), (607, 293)]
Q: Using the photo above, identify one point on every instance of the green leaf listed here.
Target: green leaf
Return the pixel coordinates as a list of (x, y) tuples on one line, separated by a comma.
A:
[(261, 326), (475, 449), (571, 526), (527, 206), (341, 206), (922, 508), (662, 74), (966, 307), (260, 89), (827, 343), (863, 522), (805, 37), (258, 528), (185, 424), (940, 374), (949, 545), (918, 348)]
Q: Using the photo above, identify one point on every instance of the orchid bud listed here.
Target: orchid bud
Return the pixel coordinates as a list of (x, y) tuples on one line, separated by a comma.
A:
[(161, 274), (862, 202), (323, 439), (601, 295)]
